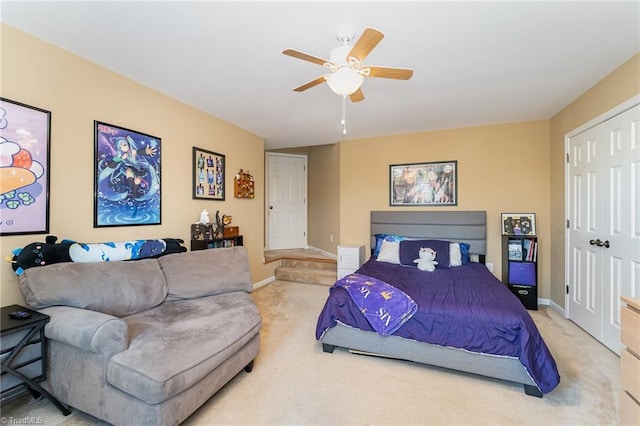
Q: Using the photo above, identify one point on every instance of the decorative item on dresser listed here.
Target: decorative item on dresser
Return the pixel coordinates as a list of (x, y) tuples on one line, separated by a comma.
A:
[(630, 362), (219, 234), (243, 185)]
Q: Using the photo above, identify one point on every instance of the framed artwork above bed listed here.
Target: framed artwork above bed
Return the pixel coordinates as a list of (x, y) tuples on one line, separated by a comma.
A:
[(424, 184)]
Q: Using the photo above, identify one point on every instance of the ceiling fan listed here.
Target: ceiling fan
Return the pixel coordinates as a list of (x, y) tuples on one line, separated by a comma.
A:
[(345, 64)]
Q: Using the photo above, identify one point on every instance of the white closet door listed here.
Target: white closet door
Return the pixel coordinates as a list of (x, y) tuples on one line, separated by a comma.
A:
[(585, 213), (604, 232), (621, 263)]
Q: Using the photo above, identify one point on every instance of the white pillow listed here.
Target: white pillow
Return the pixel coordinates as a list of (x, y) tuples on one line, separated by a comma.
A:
[(389, 252), (455, 256)]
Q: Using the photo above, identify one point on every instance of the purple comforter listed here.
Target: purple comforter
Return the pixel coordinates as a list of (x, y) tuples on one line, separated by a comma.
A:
[(464, 307)]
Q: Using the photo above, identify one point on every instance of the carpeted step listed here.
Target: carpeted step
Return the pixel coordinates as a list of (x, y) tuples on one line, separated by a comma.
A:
[(324, 265), (306, 275)]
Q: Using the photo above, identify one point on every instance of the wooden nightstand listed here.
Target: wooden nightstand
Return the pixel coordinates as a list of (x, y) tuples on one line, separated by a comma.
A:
[(23, 350)]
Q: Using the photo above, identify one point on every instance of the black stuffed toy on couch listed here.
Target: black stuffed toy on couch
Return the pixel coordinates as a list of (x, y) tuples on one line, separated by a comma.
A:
[(50, 252)]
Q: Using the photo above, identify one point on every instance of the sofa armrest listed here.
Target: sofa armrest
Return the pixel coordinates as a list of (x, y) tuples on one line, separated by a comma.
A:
[(89, 330)]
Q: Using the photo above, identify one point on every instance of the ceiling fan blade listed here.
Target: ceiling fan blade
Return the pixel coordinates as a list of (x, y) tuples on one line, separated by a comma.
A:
[(310, 84), (365, 44), (389, 72), (357, 96), (304, 56)]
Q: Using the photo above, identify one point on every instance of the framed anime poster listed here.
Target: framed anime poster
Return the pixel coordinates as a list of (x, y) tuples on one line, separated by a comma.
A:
[(127, 177), (24, 168), (424, 184), (208, 175)]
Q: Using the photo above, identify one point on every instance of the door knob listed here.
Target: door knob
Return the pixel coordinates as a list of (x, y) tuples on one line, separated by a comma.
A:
[(600, 243), (270, 207)]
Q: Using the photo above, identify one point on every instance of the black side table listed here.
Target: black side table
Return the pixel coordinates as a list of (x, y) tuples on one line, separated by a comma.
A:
[(23, 350)]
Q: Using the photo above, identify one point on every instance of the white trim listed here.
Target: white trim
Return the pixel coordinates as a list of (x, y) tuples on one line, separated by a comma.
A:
[(326, 253), (557, 308), (264, 282), (618, 109), (543, 302)]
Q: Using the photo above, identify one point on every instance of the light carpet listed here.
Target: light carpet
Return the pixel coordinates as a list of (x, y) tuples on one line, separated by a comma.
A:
[(295, 383)]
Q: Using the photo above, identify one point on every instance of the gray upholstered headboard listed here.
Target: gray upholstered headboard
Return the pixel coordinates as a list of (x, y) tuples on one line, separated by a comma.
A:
[(461, 226)]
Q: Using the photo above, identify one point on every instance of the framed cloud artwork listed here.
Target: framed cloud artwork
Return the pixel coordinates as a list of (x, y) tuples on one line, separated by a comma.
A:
[(24, 168)]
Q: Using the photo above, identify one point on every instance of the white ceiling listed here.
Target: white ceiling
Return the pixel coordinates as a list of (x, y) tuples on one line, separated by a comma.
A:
[(475, 63)]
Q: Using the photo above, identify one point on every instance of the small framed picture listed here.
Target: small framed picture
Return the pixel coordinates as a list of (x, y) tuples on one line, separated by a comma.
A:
[(518, 224), (208, 175)]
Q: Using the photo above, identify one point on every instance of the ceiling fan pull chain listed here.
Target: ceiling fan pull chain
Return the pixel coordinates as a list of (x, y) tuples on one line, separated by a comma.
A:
[(344, 115)]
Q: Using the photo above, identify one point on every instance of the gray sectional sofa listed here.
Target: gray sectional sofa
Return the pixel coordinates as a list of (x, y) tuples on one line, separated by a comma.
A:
[(147, 341)]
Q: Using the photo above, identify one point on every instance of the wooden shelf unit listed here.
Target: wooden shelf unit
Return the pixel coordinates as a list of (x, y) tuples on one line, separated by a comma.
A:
[(215, 243)]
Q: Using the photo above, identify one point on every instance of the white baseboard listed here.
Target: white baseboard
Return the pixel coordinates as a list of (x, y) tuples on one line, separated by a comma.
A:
[(326, 253), (557, 308), (552, 305), (264, 282)]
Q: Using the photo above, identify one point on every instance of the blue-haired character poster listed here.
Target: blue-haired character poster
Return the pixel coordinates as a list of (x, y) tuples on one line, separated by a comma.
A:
[(127, 177)]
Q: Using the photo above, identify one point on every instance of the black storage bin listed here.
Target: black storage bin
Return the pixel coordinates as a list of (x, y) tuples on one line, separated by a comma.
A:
[(528, 295)]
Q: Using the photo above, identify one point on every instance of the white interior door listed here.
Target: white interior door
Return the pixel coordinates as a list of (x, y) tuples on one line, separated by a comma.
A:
[(585, 216), (604, 224), (621, 267), (286, 201)]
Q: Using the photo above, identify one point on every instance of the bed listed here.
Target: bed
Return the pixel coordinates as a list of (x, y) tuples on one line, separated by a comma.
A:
[(465, 320)]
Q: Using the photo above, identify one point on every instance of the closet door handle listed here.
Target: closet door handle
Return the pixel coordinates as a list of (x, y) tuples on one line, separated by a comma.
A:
[(597, 242), (606, 244)]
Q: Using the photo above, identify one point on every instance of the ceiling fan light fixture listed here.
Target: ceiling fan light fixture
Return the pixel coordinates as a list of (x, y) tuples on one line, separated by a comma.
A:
[(344, 81)]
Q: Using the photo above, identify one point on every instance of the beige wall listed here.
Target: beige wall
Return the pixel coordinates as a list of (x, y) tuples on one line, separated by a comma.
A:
[(511, 167), (619, 86), (501, 168), (78, 92), (324, 200)]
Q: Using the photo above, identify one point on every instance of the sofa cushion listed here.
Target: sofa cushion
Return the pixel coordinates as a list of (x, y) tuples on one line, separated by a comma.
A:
[(177, 344), (119, 288), (206, 272)]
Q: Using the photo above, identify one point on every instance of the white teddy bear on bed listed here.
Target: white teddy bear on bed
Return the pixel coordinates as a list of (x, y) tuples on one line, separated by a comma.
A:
[(426, 259)]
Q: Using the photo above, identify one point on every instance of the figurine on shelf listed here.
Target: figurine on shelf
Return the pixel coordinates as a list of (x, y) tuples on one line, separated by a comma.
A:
[(204, 217), (218, 226)]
